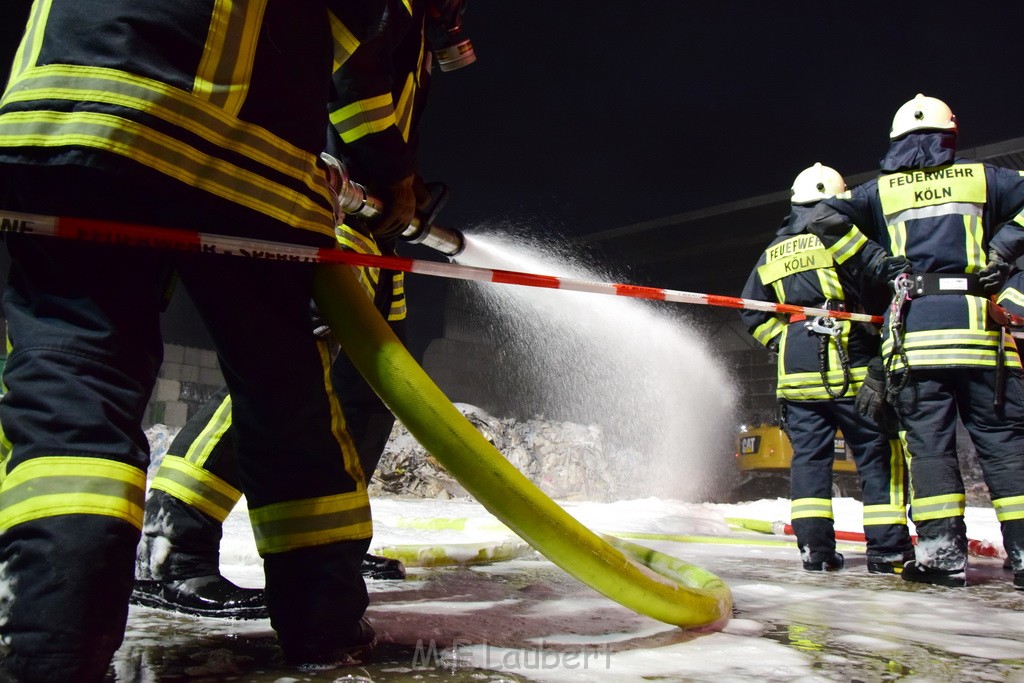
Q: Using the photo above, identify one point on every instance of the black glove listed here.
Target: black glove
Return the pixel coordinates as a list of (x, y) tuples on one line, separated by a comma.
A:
[(993, 276), (883, 269), (870, 400), (320, 328)]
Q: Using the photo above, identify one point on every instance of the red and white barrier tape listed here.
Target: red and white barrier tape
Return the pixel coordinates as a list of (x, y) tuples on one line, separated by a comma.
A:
[(131, 234)]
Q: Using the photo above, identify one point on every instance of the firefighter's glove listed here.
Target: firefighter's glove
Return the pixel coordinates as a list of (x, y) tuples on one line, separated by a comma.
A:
[(993, 276), (399, 200), (320, 328), (870, 400), (883, 269)]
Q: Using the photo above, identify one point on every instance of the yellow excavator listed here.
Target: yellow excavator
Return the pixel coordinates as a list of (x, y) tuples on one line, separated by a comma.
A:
[(763, 456)]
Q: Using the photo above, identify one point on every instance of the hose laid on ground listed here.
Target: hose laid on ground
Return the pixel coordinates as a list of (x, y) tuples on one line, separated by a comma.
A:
[(689, 596)]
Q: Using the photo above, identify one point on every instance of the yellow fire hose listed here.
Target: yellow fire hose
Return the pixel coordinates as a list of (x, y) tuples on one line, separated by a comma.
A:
[(674, 591)]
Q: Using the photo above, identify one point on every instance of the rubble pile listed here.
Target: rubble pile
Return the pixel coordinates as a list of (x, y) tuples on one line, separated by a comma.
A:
[(568, 461)]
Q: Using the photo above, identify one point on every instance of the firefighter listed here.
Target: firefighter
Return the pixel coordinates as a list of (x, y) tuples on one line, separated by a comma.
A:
[(382, 90), (821, 364), (942, 231), (168, 114)]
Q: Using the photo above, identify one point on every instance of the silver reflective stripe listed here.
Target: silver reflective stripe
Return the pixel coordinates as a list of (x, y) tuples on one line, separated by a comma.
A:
[(951, 209)]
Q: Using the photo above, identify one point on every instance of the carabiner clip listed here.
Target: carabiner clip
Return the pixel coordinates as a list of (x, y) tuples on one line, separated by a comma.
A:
[(823, 325)]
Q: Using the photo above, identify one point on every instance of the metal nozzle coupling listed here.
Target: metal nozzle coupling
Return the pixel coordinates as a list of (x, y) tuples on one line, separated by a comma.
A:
[(448, 241)]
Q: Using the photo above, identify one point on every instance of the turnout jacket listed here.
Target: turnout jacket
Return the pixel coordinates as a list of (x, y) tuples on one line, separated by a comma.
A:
[(381, 90), (944, 215), (797, 269), (200, 113)]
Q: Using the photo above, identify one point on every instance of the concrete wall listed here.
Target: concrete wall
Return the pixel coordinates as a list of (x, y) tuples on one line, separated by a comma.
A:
[(188, 376)]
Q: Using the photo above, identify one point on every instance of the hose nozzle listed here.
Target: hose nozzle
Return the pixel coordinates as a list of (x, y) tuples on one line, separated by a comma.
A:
[(351, 198), (448, 241)]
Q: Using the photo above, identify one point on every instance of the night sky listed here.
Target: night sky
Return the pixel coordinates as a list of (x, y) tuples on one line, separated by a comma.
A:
[(580, 117), (590, 116)]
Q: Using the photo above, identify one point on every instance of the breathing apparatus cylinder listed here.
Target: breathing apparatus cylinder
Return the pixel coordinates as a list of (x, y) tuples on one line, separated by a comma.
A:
[(443, 31)]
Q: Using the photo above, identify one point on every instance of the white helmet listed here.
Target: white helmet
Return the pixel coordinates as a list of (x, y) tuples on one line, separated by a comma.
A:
[(816, 183), (922, 113)]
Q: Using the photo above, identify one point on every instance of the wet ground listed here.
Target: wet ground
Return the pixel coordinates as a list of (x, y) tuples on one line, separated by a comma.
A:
[(526, 620)]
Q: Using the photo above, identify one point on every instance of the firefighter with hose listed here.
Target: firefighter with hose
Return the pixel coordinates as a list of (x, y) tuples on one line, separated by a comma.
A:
[(382, 89), (181, 116), (942, 232), (822, 363)]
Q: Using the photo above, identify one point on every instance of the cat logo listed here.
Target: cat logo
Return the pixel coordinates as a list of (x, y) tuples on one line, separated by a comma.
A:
[(750, 444)]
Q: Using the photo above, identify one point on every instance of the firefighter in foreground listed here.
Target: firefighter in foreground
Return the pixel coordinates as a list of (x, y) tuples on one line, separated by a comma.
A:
[(821, 365), (382, 90), (169, 114), (942, 232)]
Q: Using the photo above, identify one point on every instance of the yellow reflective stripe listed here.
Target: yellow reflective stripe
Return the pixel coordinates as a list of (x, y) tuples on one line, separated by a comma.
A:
[(398, 306), (954, 184), (952, 347), (166, 155), (315, 521), (780, 292), (974, 232), (225, 68), (195, 486), (169, 104), (63, 485), (848, 245), (768, 330), (344, 42), (31, 43), (1012, 296), (404, 106), (220, 422), (398, 311), (875, 515), (897, 238), (897, 474), (938, 507), (807, 386), (163, 152), (361, 118), (1009, 508), (345, 445), (352, 240), (831, 287), (803, 508), (977, 314)]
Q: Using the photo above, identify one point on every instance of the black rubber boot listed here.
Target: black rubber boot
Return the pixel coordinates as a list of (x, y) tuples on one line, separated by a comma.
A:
[(355, 650), (919, 573), (203, 596), (828, 563), (377, 567), (888, 565)]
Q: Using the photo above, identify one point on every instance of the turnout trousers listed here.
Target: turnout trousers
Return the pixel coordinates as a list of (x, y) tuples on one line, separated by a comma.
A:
[(811, 427), (928, 408), (83, 322), (197, 483)]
